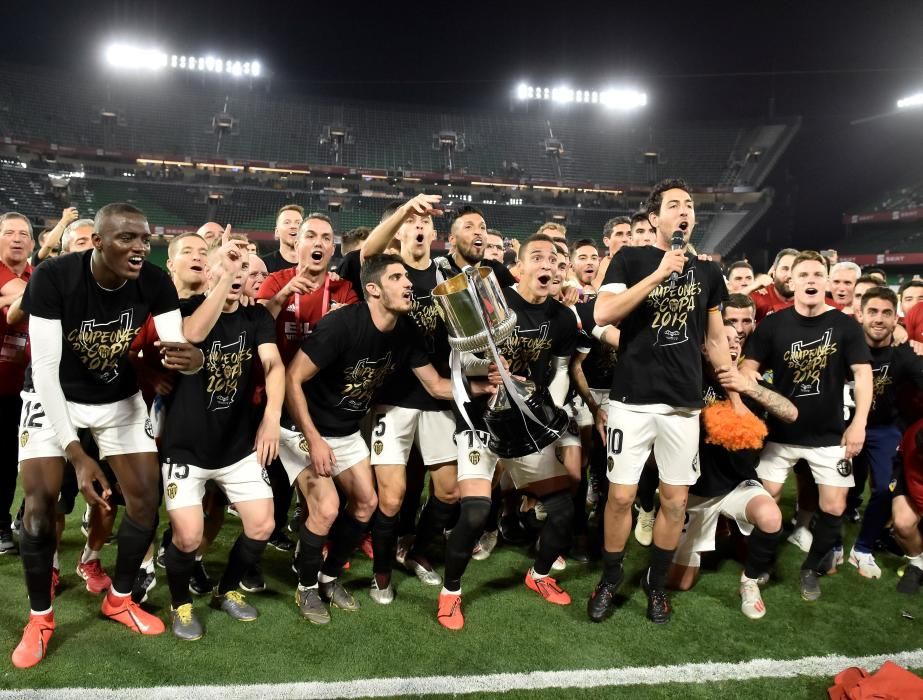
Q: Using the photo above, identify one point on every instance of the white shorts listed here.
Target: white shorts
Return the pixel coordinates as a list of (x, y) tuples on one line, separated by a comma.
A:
[(828, 464), (293, 451), (396, 429), (245, 480), (477, 461), (674, 437), (702, 520), (120, 428), (578, 409)]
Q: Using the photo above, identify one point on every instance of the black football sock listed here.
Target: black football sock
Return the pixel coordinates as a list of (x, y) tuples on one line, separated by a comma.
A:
[(493, 517), (310, 556), (613, 567), (473, 511), (660, 565), (557, 531), (384, 542), (282, 492), (345, 536), (761, 552), (245, 553), (37, 553), (133, 543), (579, 499), (647, 487), (179, 566), (436, 517), (827, 530)]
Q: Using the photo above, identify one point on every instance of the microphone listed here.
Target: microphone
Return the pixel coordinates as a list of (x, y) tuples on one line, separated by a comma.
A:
[(678, 242)]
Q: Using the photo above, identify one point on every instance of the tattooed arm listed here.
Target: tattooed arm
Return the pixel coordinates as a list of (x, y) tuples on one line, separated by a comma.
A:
[(777, 405)]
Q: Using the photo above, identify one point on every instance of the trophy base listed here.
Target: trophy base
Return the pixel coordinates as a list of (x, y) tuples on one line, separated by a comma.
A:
[(508, 426)]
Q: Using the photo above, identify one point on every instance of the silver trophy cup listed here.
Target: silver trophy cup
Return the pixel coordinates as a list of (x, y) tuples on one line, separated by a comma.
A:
[(520, 417)]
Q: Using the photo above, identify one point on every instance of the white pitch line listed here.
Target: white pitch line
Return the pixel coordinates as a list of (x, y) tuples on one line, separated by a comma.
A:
[(492, 683)]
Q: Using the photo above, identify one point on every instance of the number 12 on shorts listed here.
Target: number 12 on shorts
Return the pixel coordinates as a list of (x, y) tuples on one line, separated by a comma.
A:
[(32, 414)]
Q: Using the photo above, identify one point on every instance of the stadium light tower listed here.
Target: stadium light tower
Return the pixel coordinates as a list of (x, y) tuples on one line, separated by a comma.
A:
[(128, 57), (620, 99)]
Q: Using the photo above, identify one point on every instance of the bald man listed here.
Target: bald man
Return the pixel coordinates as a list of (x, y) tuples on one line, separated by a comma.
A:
[(211, 232)]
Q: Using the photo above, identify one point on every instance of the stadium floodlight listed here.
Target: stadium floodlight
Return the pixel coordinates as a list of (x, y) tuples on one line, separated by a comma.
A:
[(915, 100), (562, 95), (255, 69), (624, 99), (134, 57)]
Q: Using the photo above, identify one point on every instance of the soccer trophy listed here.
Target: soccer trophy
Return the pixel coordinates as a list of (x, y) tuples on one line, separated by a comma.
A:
[(520, 418)]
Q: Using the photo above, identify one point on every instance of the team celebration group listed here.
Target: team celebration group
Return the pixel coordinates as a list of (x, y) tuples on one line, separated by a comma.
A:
[(228, 382)]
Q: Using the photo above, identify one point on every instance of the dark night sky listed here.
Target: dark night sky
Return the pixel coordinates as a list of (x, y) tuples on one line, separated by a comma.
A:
[(828, 62)]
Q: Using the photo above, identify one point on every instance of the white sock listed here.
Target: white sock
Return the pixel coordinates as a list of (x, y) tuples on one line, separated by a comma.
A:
[(198, 557), (148, 565), (55, 563), (43, 612), (536, 575), (744, 578), (119, 595), (89, 555), (306, 588), (917, 561), (446, 591), (323, 578)]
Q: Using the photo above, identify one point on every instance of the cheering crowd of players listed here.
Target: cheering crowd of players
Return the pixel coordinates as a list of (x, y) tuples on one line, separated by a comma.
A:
[(691, 392)]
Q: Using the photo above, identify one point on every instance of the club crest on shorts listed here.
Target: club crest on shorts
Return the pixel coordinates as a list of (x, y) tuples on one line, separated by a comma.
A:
[(303, 445), (844, 467), (149, 428), (171, 490), (892, 486), (474, 456), (378, 446), (23, 438), (265, 475), (609, 463)]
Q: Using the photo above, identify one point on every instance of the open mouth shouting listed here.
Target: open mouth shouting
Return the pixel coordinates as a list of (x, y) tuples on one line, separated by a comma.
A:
[(420, 238), (544, 279), (684, 225), (135, 262), (317, 255), (811, 291)]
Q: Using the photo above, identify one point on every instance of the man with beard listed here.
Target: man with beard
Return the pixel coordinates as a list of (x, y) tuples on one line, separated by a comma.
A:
[(468, 238), (811, 348), (774, 292), (330, 385), (585, 264), (667, 304), (539, 350), (85, 309), (740, 311), (408, 415), (892, 366), (288, 222), (728, 485)]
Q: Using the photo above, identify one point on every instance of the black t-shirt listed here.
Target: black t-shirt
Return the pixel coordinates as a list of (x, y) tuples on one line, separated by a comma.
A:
[(403, 388), (275, 262), (355, 359), (810, 359), (98, 325), (600, 361), (349, 268), (660, 358), (892, 366), (211, 421), (722, 470), (504, 276)]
